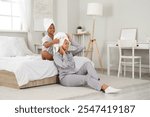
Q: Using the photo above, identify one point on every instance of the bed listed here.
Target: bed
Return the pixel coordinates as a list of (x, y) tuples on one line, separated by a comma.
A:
[(20, 68), (8, 79), (27, 71)]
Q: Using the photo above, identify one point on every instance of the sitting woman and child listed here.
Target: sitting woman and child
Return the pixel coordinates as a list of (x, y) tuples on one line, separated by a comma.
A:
[(55, 47)]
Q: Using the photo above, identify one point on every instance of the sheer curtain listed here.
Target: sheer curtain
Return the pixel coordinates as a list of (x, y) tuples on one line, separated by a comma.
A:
[(26, 11)]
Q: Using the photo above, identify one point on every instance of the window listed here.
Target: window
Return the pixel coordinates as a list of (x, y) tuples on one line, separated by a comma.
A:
[(10, 15)]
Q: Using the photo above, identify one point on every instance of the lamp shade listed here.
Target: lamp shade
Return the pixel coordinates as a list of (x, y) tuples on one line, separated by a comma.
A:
[(95, 9)]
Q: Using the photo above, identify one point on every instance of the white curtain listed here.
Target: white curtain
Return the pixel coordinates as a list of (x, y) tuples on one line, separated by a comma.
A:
[(26, 16)]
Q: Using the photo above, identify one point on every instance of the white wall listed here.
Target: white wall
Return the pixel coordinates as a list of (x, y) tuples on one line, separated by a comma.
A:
[(66, 15), (73, 15), (118, 14), (61, 15)]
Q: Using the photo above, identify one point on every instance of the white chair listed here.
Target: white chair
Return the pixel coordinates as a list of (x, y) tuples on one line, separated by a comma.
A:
[(128, 60)]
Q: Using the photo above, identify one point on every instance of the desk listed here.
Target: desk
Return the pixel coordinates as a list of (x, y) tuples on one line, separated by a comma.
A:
[(82, 37), (140, 45)]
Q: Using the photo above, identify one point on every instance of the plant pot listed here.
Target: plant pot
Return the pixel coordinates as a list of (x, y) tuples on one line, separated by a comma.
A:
[(79, 31)]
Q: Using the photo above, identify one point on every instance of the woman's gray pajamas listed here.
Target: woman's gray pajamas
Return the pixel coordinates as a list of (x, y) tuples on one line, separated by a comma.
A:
[(85, 76), (69, 76)]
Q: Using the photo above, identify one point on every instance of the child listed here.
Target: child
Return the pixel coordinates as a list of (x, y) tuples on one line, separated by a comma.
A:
[(47, 40), (68, 74)]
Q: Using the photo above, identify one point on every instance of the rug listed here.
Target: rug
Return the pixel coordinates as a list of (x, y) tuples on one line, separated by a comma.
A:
[(58, 92)]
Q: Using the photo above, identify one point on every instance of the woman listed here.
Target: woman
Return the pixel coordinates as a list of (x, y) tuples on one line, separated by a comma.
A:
[(68, 74), (47, 40)]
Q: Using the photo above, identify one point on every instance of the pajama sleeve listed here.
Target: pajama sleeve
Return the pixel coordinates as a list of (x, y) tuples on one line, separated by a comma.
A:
[(78, 49), (62, 62)]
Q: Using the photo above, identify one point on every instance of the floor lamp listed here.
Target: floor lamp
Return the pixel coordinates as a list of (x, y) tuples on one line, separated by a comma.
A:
[(94, 9)]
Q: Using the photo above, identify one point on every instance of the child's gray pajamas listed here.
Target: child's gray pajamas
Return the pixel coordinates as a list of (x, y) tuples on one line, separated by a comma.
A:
[(68, 74)]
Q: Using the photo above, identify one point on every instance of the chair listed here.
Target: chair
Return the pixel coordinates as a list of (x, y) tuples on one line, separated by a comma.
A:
[(125, 59), (128, 34)]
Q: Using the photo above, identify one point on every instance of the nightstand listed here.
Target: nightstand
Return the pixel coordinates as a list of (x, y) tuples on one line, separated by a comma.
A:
[(38, 48), (82, 38)]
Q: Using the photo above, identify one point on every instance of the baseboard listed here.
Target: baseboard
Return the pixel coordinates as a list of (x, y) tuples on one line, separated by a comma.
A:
[(101, 70), (115, 69)]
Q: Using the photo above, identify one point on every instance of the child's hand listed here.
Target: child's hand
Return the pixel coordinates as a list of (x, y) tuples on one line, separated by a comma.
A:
[(55, 41)]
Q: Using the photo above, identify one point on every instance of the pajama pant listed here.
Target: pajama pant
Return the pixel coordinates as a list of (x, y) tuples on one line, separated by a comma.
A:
[(85, 76)]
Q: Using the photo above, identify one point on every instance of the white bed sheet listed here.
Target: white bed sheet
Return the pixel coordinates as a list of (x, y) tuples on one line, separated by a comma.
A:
[(28, 68), (32, 67)]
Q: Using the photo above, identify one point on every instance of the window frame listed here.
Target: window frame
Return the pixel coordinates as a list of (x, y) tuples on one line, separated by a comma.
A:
[(11, 16)]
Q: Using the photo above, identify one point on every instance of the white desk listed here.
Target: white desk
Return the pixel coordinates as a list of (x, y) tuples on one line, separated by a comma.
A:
[(140, 45)]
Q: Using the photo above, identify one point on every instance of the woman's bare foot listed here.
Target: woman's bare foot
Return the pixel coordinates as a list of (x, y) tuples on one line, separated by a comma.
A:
[(104, 87), (108, 89)]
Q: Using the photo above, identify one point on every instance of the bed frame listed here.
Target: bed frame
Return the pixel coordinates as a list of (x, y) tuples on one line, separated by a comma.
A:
[(8, 79)]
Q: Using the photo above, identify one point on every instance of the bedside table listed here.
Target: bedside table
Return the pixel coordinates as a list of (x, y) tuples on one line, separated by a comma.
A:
[(81, 39), (38, 48)]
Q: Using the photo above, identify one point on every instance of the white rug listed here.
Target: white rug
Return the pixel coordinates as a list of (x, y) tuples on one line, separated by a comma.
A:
[(56, 91)]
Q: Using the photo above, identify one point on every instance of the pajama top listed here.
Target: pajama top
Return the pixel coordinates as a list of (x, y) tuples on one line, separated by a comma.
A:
[(65, 63)]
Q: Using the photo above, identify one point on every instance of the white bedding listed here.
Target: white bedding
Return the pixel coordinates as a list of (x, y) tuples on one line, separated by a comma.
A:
[(28, 68), (32, 67)]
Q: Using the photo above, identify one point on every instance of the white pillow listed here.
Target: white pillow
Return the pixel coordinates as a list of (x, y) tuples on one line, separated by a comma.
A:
[(3, 45), (13, 46), (21, 46)]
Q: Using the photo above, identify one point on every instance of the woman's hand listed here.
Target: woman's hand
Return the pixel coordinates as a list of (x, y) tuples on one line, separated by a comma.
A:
[(69, 37), (62, 51), (55, 41)]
